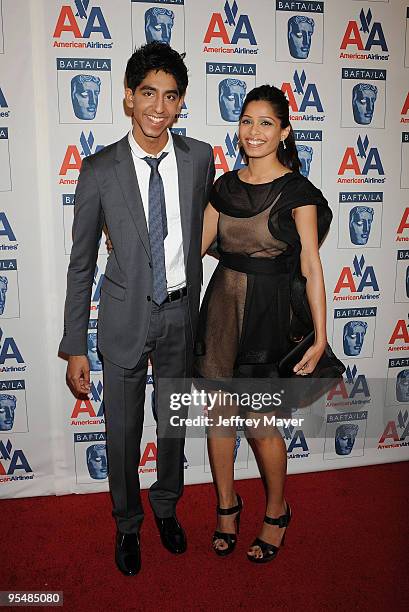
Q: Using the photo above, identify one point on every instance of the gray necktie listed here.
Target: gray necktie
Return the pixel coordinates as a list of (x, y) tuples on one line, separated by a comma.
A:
[(158, 229)]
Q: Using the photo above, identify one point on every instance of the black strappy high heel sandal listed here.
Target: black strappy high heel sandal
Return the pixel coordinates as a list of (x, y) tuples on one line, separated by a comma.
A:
[(270, 551), (229, 538)]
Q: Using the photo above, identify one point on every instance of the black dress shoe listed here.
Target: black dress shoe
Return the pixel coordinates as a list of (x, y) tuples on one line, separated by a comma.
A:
[(128, 553), (172, 535)]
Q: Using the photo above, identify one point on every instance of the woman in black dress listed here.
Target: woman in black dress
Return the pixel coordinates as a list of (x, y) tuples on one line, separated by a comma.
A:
[(269, 221)]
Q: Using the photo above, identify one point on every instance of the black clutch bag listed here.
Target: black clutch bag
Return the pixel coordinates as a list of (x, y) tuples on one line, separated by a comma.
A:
[(328, 366), (287, 363)]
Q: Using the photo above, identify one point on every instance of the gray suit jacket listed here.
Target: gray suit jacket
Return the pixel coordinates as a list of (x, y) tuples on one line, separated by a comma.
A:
[(108, 192)]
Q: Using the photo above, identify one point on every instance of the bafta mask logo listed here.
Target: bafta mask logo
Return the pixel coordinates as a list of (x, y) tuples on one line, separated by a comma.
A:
[(345, 438), (97, 461), (8, 405), (236, 447), (407, 281), (95, 364), (353, 337), (360, 222), (231, 97), (305, 154), (363, 102), (3, 291), (159, 24), (85, 90), (402, 386), (299, 35)]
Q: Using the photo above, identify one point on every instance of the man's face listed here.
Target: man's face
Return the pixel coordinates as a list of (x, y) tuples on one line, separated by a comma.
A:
[(97, 463), (85, 100), (154, 105), (93, 358), (363, 106), (230, 101), (299, 39), (402, 386), (360, 226), (7, 409), (158, 27), (344, 442), (3, 291), (305, 157), (354, 335)]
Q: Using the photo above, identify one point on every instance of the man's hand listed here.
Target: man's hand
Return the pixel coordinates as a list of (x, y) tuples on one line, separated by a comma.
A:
[(78, 374)]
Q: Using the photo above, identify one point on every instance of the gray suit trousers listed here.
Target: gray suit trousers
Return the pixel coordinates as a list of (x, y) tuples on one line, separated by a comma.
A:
[(169, 345)]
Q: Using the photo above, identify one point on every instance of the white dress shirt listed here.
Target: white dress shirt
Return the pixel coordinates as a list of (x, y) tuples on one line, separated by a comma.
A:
[(174, 259)]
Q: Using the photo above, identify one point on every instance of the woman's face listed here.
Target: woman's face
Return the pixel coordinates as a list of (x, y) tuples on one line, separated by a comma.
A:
[(260, 130)]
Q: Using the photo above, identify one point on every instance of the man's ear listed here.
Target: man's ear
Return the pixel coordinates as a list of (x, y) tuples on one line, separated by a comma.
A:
[(128, 97)]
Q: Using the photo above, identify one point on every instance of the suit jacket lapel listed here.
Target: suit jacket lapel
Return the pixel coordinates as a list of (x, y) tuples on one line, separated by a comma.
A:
[(125, 171), (185, 180)]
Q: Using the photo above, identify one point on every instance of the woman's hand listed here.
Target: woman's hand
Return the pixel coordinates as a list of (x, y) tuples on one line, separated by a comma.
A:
[(108, 244), (310, 359)]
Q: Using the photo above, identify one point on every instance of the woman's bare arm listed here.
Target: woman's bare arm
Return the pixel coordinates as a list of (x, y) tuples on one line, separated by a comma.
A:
[(210, 221), (305, 218)]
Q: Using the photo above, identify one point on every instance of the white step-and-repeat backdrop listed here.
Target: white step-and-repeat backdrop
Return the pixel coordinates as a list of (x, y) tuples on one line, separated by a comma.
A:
[(344, 67)]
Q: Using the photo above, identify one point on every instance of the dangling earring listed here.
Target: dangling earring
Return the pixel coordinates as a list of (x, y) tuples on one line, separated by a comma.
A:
[(284, 145)]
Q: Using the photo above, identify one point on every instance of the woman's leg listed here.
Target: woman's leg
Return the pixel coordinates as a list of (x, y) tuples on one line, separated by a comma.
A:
[(272, 458), (220, 445)]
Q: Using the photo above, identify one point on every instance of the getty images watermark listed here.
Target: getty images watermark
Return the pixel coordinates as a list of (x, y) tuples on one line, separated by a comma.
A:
[(249, 402)]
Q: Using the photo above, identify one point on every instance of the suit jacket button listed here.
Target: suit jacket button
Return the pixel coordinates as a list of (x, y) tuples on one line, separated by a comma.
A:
[(148, 297)]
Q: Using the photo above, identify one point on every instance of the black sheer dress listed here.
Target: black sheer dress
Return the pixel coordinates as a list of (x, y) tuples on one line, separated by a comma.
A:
[(256, 297)]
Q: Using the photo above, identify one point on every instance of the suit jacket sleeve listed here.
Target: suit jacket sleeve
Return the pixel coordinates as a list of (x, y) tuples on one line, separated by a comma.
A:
[(86, 229)]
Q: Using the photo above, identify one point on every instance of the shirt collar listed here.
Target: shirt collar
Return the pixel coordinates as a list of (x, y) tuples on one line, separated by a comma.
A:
[(139, 152)]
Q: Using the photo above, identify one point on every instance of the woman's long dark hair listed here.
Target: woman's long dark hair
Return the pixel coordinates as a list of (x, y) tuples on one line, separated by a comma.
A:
[(288, 156)]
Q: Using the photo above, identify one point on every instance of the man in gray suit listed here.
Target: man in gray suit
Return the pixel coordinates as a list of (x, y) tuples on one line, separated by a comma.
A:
[(150, 190)]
